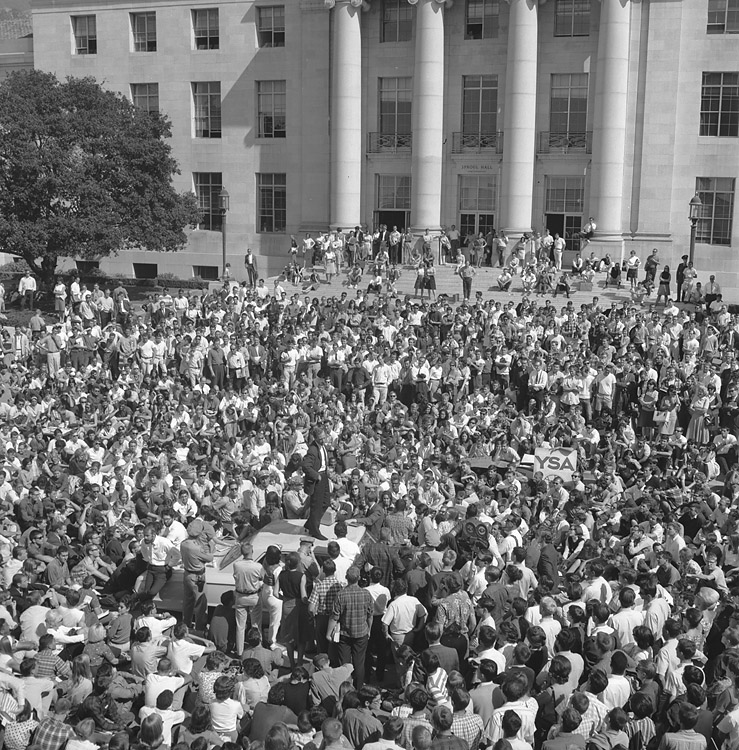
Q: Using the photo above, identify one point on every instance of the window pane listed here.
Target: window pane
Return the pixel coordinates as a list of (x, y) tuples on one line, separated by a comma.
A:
[(207, 109), (208, 186), (719, 115), (397, 21), (481, 20), (568, 109), (271, 202), (572, 18), (84, 29), (271, 26), (717, 196), (206, 29), (146, 96), (144, 30)]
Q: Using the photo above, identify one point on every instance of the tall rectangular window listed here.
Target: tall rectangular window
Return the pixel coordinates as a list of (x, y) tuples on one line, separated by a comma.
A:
[(145, 96), (85, 33), (144, 32), (206, 99), (271, 202), (479, 105), (572, 18), (208, 186), (481, 19), (395, 106), (271, 26), (720, 104), (717, 214), (568, 111), (397, 21), (205, 28), (723, 17), (393, 192), (271, 105), (477, 198), (564, 195)]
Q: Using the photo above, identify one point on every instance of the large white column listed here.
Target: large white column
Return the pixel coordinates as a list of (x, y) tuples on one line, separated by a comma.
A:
[(346, 114), (609, 126), (427, 116), (519, 118)]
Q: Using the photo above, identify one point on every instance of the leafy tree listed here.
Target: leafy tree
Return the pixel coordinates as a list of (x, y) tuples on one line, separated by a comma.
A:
[(84, 174)]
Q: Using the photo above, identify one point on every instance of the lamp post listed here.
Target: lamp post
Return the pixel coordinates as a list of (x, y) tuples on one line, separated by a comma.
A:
[(694, 214), (224, 202)]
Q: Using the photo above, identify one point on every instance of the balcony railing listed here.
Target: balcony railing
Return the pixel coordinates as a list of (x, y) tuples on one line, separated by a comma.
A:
[(566, 143), (463, 143), (392, 143)]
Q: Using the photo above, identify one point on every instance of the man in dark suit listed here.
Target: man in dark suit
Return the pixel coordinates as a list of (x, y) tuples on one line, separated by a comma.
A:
[(316, 484), (448, 657), (548, 564)]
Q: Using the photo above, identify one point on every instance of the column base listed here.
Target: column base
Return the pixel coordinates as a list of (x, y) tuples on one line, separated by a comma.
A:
[(516, 234)]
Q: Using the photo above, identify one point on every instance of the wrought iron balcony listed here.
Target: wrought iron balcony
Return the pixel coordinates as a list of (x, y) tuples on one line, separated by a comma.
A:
[(566, 143), (463, 143), (391, 143)]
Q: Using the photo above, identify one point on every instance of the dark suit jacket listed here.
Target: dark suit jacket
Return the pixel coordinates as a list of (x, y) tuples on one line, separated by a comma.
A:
[(448, 660), (311, 468), (448, 657), (547, 565)]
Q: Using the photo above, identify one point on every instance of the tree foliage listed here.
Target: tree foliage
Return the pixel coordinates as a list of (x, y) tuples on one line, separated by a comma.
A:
[(84, 173)]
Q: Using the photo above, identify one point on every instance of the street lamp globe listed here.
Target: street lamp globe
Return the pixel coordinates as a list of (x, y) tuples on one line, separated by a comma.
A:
[(695, 208), (224, 199)]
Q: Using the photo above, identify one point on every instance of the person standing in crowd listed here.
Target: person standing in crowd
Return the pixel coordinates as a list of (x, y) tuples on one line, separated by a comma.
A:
[(248, 576), (466, 273), (711, 291), (351, 620), (315, 469)]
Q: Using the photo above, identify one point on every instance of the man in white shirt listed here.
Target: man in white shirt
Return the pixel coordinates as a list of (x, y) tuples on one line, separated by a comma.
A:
[(27, 290), (618, 690), (405, 615), (161, 681), (172, 529), (157, 624), (626, 619), (605, 387), (349, 549), (183, 651), (155, 550)]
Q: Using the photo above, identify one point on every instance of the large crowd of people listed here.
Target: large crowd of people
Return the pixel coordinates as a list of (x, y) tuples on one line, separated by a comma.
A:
[(467, 596)]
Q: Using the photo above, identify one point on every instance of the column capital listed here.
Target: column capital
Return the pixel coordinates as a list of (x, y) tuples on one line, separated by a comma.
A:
[(445, 3), (533, 2), (363, 4)]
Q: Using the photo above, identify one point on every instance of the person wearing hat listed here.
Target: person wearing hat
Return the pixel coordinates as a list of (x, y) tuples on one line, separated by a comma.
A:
[(195, 556)]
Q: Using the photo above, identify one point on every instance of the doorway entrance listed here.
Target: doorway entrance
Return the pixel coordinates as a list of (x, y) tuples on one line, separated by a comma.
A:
[(566, 225), (392, 219)]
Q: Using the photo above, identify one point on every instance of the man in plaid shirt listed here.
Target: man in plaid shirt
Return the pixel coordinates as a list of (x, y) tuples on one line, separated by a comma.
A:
[(321, 605), (468, 727), (53, 732), (48, 662), (352, 614)]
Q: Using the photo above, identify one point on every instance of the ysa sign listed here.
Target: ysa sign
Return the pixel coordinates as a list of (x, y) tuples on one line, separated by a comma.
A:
[(557, 462)]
